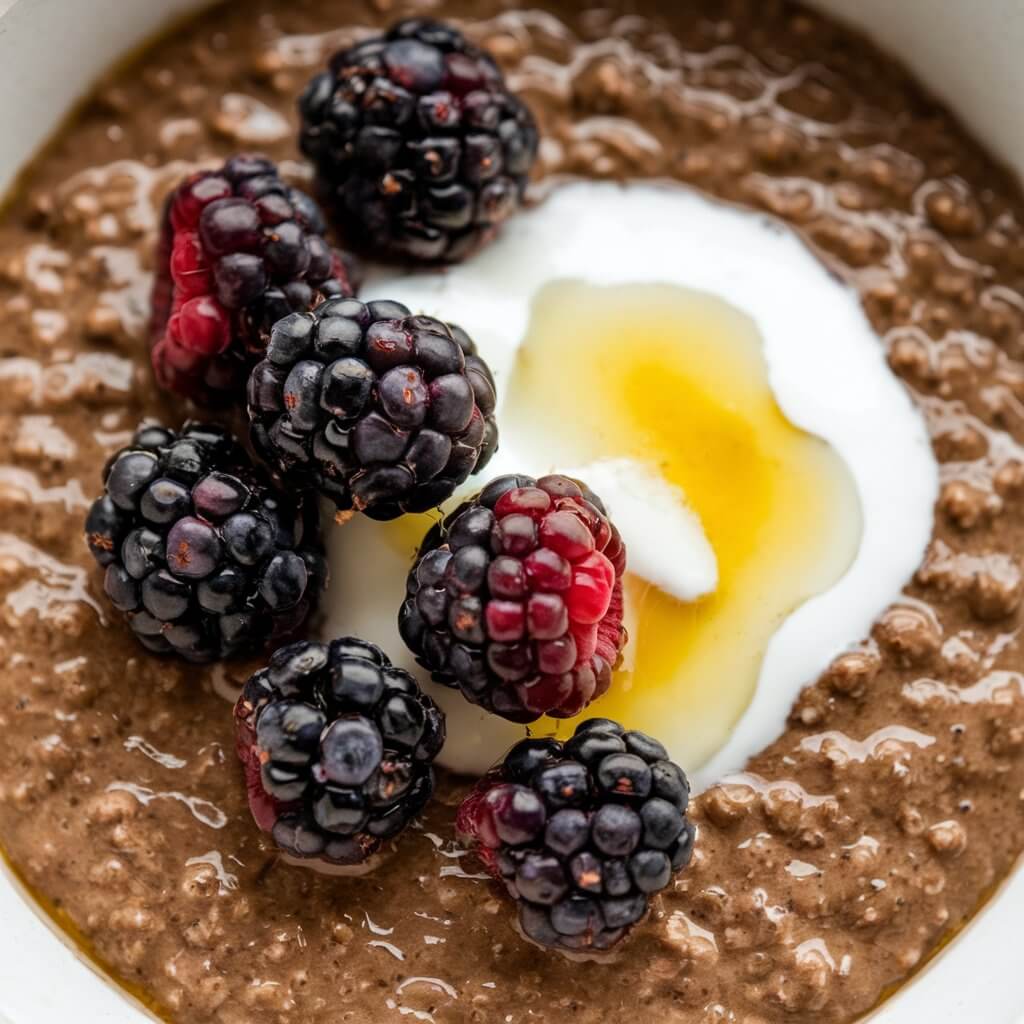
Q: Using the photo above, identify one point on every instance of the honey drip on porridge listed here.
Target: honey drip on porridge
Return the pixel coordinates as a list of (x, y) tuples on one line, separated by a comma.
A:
[(677, 378)]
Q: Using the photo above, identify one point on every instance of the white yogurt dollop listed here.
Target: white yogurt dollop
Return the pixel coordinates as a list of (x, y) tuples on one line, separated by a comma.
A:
[(828, 373), (677, 558)]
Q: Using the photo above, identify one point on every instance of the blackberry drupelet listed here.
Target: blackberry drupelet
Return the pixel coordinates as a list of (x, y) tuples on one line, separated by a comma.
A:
[(383, 412), (516, 599), (582, 835), (239, 250), (338, 747), (202, 555), (421, 151)]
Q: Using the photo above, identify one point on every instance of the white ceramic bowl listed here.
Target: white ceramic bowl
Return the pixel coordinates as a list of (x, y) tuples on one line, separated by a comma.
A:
[(50, 51)]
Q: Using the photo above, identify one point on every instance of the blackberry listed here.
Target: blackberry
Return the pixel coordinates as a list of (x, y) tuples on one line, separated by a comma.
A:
[(383, 412), (338, 747), (200, 553), (516, 599), (239, 250), (582, 835), (420, 149)]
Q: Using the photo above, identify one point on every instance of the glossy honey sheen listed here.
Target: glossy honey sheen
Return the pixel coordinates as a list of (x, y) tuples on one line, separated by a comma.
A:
[(677, 378)]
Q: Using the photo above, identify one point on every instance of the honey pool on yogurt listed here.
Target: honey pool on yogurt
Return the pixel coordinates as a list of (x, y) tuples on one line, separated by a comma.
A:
[(676, 378)]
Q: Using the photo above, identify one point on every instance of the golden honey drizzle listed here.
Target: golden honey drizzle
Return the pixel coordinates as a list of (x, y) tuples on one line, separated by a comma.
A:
[(677, 379)]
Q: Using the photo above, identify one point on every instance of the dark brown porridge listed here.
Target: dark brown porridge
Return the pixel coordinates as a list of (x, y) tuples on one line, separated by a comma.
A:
[(848, 851)]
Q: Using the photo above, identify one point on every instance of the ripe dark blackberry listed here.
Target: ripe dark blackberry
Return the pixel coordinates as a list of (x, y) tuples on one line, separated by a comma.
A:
[(338, 747), (239, 250), (583, 834), (202, 555), (420, 149), (516, 599), (383, 412)]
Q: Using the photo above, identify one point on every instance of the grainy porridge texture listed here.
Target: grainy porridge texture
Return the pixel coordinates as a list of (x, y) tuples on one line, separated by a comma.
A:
[(846, 852)]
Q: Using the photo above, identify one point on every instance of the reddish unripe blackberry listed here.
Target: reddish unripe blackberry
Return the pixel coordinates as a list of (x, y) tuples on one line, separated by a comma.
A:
[(239, 249), (338, 748), (383, 412), (581, 835), (201, 554), (516, 599), (420, 149)]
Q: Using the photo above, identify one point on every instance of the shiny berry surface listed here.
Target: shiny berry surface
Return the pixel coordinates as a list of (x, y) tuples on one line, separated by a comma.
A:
[(381, 411), (239, 249), (516, 599), (421, 150), (337, 746), (201, 554), (581, 835)]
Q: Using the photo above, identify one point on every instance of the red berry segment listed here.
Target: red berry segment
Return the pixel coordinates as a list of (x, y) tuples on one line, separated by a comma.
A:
[(566, 534), (202, 327), (516, 599), (239, 250), (506, 621), (590, 596), (547, 616), (507, 577), (546, 570), (189, 269), (530, 501)]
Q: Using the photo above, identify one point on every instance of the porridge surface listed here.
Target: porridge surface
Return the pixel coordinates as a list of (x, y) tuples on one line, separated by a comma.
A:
[(848, 850)]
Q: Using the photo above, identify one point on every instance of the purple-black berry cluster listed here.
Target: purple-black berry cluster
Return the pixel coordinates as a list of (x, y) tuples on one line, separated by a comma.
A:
[(204, 558), (582, 835), (516, 599), (338, 747), (381, 411), (419, 146)]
